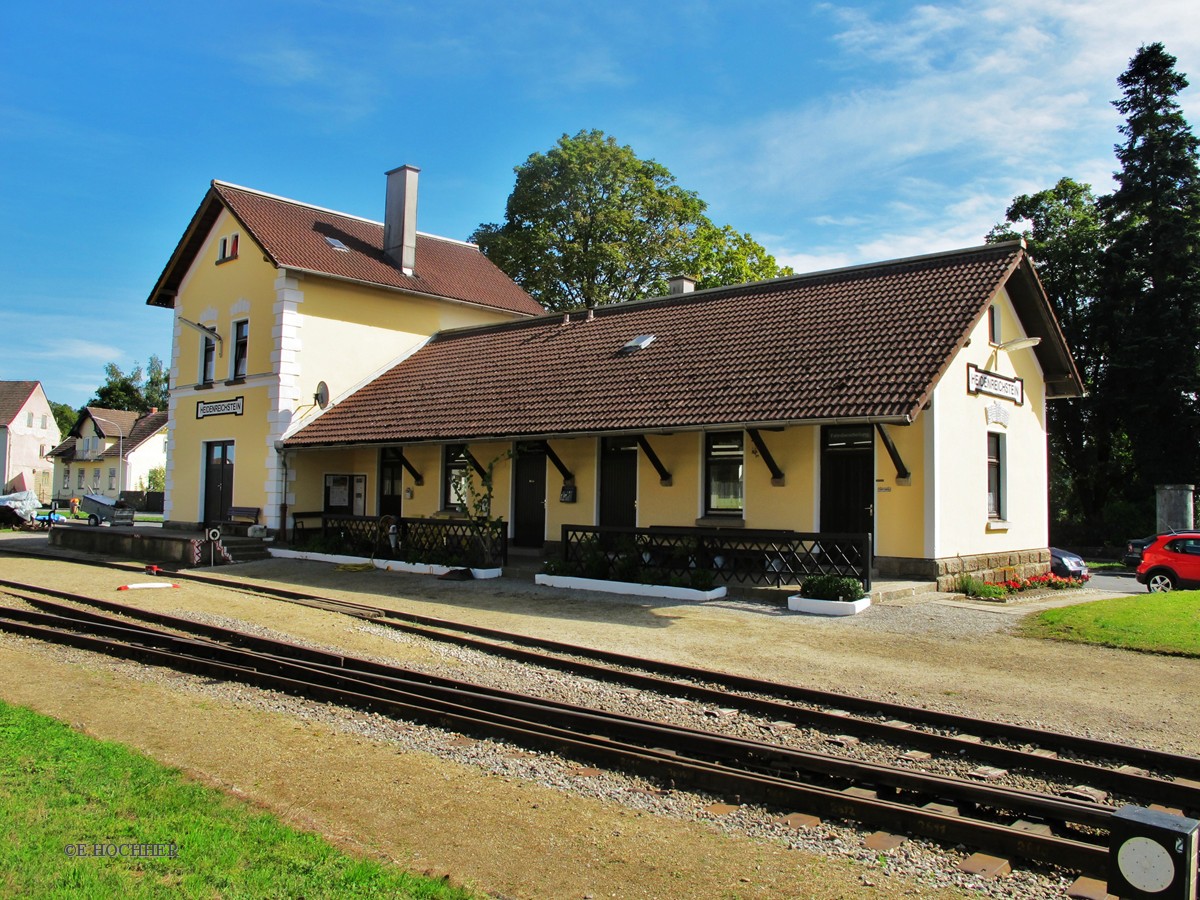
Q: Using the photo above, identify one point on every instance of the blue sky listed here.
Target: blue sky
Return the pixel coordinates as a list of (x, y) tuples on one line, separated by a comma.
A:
[(833, 133)]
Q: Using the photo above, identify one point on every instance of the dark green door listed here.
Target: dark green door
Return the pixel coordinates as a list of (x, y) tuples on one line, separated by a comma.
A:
[(218, 481), (529, 501), (618, 482), (848, 479)]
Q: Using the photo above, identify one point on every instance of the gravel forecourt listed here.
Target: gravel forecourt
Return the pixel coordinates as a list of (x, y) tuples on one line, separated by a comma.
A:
[(514, 824)]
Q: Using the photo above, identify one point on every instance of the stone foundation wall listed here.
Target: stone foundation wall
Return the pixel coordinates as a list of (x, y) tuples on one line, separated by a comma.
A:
[(143, 545), (985, 566)]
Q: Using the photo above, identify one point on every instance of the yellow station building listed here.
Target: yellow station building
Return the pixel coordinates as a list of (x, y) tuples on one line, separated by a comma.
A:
[(317, 368), (282, 306)]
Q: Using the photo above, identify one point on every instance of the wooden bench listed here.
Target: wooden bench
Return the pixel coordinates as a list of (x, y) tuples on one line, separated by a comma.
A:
[(240, 518)]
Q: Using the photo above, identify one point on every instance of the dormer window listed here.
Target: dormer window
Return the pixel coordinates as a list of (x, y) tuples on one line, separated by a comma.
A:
[(633, 345), (227, 248)]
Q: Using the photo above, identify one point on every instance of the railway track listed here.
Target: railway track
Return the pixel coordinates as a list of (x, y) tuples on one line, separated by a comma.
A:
[(1066, 832), (1087, 762)]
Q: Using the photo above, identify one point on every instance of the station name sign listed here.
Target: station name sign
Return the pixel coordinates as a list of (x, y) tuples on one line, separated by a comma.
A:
[(219, 408), (981, 381)]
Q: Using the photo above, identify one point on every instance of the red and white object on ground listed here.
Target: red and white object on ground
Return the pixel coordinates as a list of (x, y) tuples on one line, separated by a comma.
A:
[(147, 584)]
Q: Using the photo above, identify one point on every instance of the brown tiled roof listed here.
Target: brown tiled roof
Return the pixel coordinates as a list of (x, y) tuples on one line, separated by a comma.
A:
[(293, 235), (142, 430), (868, 342), (13, 395), (131, 428), (110, 422), (64, 451)]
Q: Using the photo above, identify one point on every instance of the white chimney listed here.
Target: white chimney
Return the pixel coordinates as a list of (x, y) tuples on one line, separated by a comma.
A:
[(400, 218), (681, 284)]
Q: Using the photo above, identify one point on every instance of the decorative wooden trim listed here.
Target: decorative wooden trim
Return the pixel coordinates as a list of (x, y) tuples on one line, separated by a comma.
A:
[(761, 446), (664, 477), (890, 445), (408, 467), (567, 476), (479, 470)]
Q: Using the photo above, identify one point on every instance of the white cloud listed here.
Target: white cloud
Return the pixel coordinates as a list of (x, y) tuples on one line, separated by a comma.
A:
[(331, 87), (939, 115)]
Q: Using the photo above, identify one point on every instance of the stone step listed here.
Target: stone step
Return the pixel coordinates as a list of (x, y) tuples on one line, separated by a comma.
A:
[(883, 591), (245, 549)]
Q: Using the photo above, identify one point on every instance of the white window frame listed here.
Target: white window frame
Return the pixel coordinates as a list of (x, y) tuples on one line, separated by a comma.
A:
[(227, 247), (999, 465)]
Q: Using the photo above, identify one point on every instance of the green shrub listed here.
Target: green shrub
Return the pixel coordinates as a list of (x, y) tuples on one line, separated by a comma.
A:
[(975, 587), (703, 579), (832, 587)]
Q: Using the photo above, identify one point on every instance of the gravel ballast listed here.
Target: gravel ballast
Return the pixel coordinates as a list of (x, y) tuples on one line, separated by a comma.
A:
[(884, 653)]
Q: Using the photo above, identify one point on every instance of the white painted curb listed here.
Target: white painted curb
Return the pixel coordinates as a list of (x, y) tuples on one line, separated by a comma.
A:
[(815, 607), (387, 565), (664, 591)]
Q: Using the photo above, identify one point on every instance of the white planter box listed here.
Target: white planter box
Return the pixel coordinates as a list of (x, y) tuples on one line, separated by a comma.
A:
[(388, 565), (628, 588), (796, 603)]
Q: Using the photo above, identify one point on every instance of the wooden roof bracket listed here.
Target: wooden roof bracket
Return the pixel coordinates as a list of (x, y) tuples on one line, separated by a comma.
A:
[(761, 446), (664, 477), (567, 475), (470, 457), (408, 467), (903, 476)]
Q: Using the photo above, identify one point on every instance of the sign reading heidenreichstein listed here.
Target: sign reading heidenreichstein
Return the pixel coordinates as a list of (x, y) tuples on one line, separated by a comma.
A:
[(219, 408), (981, 381)]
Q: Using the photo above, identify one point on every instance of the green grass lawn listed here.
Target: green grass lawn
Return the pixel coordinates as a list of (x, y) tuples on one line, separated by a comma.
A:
[(1155, 623), (85, 818)]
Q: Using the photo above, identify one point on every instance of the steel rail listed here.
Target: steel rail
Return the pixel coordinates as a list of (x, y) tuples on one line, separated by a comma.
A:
[(767, 757), (1145, 787), (1136, 784), (1180, 766), (1076, 854)]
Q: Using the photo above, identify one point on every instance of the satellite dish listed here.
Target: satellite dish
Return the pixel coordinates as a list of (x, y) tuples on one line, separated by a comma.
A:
[(321, 397)]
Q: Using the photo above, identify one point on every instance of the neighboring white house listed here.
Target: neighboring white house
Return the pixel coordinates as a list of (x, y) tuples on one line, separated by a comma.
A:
[(28, 433), (109, 451)]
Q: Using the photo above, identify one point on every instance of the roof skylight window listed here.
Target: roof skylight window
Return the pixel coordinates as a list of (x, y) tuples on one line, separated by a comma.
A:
[(641, 342), (336, 244)]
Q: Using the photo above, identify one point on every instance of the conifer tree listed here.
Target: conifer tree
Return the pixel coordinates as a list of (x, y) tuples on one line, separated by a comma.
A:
[(1151, 273)]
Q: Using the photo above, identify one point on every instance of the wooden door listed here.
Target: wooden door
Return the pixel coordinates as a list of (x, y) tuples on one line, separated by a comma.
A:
[(618, 482), (529, 497), (218, 481), (848, 479), (391, 480)]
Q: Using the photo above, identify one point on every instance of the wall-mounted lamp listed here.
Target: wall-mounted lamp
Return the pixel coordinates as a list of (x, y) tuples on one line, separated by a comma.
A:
[(1020, 343), (210, 333)]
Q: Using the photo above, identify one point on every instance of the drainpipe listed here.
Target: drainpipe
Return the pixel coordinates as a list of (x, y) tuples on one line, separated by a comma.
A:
[(283, 506)]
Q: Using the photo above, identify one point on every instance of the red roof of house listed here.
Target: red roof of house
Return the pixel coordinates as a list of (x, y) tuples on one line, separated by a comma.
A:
[(293, 235), (13, 396), (863, 343)]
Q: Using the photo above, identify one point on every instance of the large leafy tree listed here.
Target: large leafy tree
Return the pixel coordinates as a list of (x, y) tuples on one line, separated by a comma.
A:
[(138, 391), (64, 416), (1151, 274), (1088, 450), (589, 223)]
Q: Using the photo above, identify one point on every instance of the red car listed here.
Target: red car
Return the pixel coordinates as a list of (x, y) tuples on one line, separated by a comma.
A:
[(1172, 561)]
